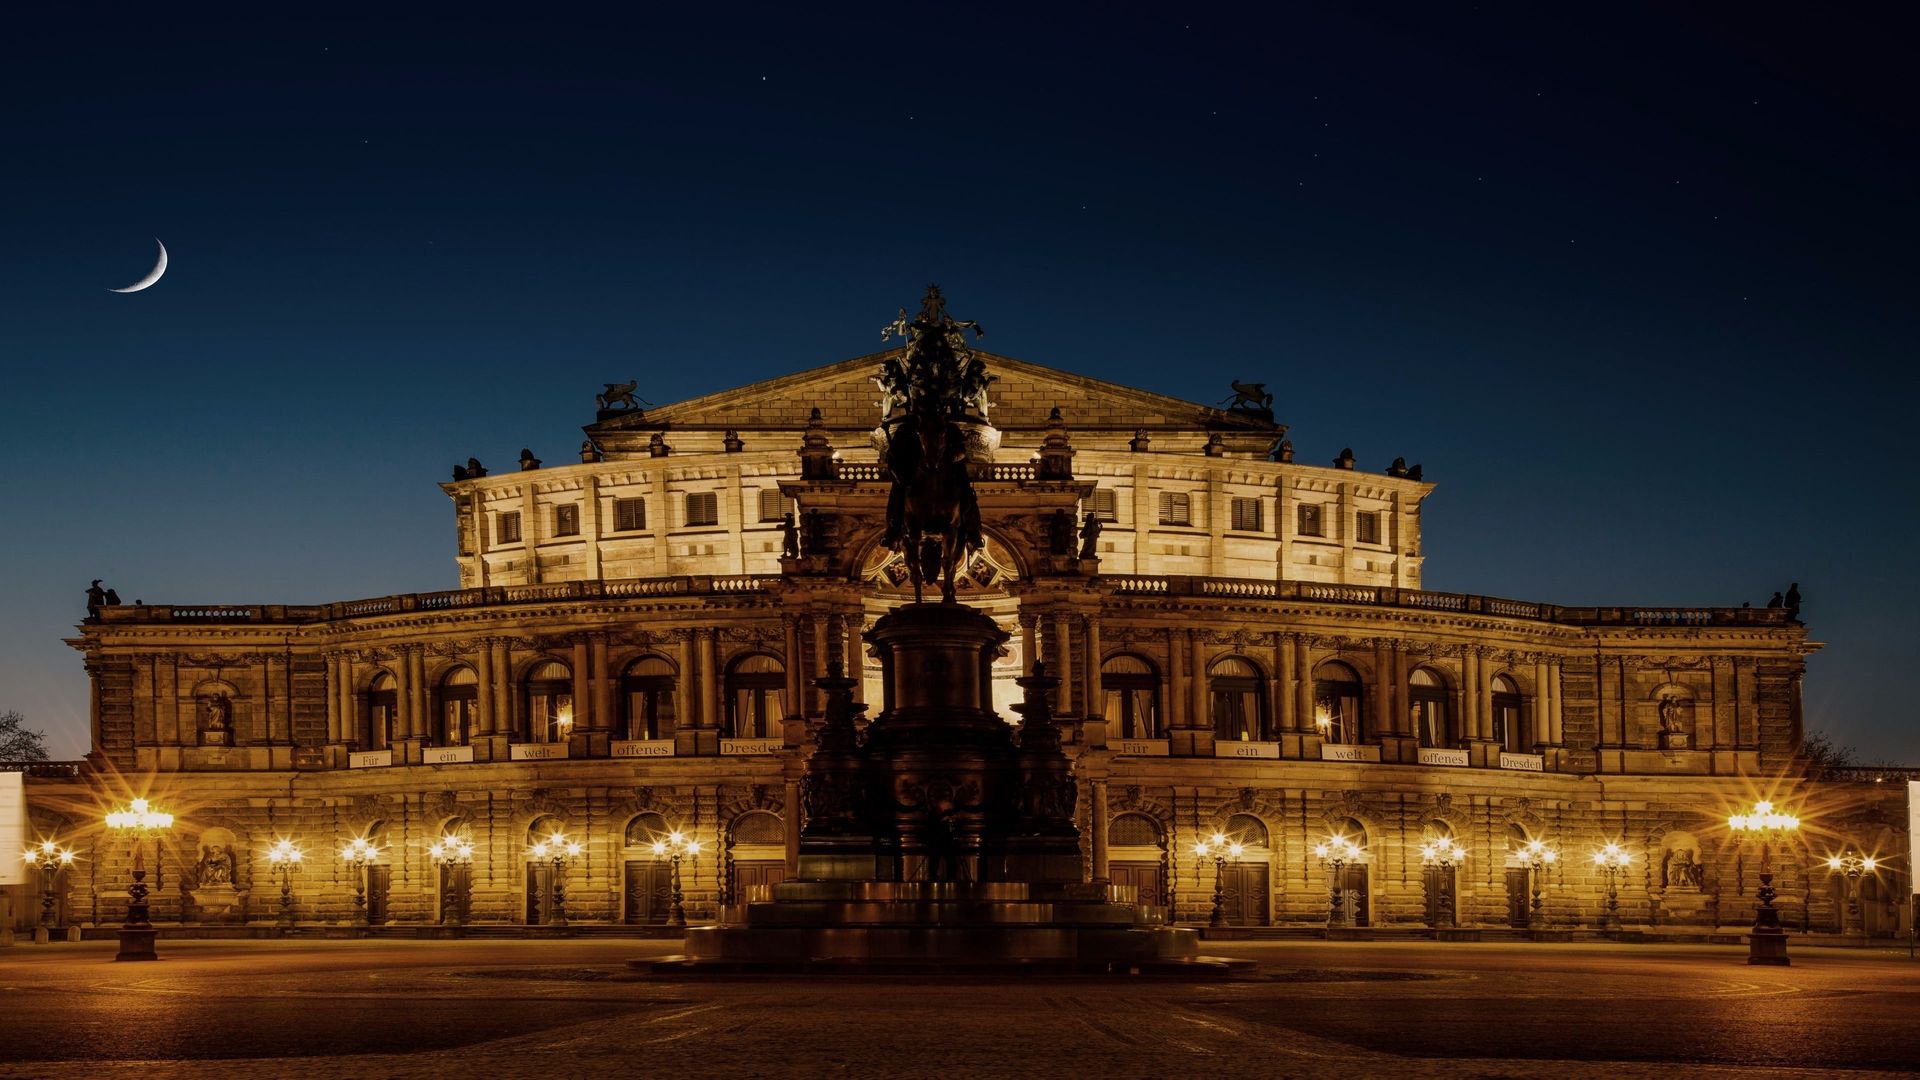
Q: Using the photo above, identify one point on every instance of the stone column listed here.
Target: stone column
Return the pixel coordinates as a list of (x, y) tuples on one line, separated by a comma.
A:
[(604, 714), (1102, 872), (1029, 642), (1060, 659), (1199, 717), (1285, 707), (796, 682), (857, 654), (709, 741), (334, 725), (1176, 683), (1470, 721), (584, 716), (1090, 700), (502, 690), (1542, 705), (791, 819), (1556, 719), (486, 721), (686, 686), (816, 701), (1303, 686), (421, 723)]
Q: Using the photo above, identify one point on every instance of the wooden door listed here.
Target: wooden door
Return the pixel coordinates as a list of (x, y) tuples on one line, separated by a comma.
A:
[(649, 892), (1440, 905), (1143, 876), (752, 878), (456, 880), (1245, 899), (539, 893), (379, 880), (1355, 897), (1519, 897)]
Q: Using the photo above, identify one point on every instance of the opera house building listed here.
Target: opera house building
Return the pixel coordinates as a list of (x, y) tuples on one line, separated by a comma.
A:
[(1272, 722)]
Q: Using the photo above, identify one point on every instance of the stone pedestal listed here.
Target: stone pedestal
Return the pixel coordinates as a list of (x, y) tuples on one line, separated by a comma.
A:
[(217, 903)]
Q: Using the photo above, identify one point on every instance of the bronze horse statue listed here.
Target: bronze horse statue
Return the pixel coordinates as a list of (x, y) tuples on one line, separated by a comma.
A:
[(933, 518)]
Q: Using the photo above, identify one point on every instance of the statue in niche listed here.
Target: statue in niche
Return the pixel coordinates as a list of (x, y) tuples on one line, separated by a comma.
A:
[(1090, 536), (215, 866), (1681, 870), (1672, 719), (216, 713)]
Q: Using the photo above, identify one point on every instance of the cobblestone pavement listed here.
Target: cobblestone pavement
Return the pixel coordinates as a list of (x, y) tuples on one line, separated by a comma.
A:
[(570, 1008)]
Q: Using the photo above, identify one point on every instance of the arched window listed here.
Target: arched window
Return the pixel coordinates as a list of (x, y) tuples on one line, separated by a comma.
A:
[(382, 712), (1239, 700), (756, 697), (1432, 708), (1509, 725), (1132, 698), (542, 827), (648, 695), (759, 827), (1337, 702), (644, 829), (459, 693), (1134, 830), (549, 715), (1247, 830)]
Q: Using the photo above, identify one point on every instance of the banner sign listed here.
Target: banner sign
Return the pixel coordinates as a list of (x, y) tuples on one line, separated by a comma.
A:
[(13, 828)]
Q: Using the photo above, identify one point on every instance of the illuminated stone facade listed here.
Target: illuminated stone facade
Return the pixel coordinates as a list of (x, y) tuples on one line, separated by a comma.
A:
[(1244, 647)]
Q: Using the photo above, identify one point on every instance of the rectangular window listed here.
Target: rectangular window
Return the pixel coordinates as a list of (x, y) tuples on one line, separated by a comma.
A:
[(703, 508), (506, 528), (1366, 527), (773, 506), (1176, 508), (1310, 520), (629, 515), (566, 520), (1102, 505), (1246, 515)]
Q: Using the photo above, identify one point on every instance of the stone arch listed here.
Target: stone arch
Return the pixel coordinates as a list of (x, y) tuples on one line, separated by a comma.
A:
[(526, 812), (367, 675), (864, 544)]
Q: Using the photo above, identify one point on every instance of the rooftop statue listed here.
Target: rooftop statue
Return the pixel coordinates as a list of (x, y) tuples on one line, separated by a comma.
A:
[(933, 519)]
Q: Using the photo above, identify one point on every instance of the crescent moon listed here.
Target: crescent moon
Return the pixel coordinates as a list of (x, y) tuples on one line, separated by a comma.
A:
[(153, 275)]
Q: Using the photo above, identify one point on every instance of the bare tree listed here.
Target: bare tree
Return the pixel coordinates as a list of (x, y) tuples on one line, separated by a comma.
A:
[(19, 742), (1822, 752)]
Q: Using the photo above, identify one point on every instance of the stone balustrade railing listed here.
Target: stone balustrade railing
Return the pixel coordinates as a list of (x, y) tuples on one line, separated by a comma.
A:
[(1124, 584), (48, 770), (1384, 596)]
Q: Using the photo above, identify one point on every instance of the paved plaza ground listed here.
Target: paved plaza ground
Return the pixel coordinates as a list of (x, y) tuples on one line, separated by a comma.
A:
[(565, 1008)]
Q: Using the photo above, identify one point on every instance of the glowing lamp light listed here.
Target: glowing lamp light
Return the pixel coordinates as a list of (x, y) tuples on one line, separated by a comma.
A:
[(359, 850), (1612, 856), (1443, 850), (141, 815), (1763, 819), (451, 848), (285, 852)]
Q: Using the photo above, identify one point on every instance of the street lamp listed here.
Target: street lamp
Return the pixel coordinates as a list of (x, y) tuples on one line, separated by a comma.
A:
[(1537, 855), (49, 858), (137, 933), (1613, 861), (1442, 853), (1334, 853), (675, 845), (558, 850), (285, 856), (1851, 865), (1221, 849), (454, 854), (358, 854), (1767, 944)]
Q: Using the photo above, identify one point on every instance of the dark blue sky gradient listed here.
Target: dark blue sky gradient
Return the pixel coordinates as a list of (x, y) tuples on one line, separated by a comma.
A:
[(1636, 287)]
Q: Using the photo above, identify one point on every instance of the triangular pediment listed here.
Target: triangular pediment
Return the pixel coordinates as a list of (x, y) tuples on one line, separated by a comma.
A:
[(1021, 398)]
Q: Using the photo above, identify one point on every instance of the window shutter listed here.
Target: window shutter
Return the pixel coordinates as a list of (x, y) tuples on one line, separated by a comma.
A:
[(629, 515), (772, 506), (1103, 505)]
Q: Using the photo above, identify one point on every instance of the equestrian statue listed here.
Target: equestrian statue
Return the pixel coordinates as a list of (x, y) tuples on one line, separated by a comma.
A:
[(933, 518)]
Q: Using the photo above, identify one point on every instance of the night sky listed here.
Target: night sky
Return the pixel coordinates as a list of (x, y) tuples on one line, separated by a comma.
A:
[(1637, 288)]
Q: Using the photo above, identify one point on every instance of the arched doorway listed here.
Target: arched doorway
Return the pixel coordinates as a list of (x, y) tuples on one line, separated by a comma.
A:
[(455, 876), (649, 695), (549, 703), (1519, 879), (1353, 893), (1337, 699), (1131, 690), (379, 712), (1137, 857), (379, 875), (1237, 697), (1432, 706), (1509, 718), (1245, 890), (647, 892), (756, 857), (459, 695), (756, 697), (540, 908), (1438, 879)]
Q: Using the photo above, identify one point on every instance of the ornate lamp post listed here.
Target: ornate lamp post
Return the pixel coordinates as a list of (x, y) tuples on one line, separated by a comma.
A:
[(558, 850), (1767, 943), (675, 845), (137, 933), (358, 854), (1442, 853), (1537, 855), (1613, 861), (1334, 853), (285, 856), (1850, 864), (1221, 849), (454, 854), (49, 858)]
